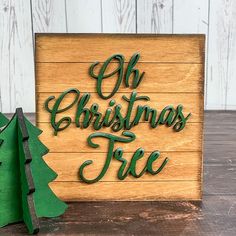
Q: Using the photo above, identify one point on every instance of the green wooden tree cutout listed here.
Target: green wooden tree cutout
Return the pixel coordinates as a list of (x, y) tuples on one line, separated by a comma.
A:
[(24, 176), (3, 120)]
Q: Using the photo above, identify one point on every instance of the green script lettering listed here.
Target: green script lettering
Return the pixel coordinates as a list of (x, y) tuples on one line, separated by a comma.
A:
[(115, 117), (118, 155)]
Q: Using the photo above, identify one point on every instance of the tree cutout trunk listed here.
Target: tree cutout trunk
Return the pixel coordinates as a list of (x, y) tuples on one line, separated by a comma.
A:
[(27, 182)]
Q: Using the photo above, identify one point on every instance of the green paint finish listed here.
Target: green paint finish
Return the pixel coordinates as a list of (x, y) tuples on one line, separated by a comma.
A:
[(101, 75), (128, 137), (10, 185), (3, 120), (28, 209), (24, 176), (66, 121), (46, 202), (130, 72), (114, 117), (118, 155)]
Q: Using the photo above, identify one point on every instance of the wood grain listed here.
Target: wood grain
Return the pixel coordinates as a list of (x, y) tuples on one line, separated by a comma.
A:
[(221, 55), (181, 166), (162, 138), (231, 59), (84, 16), (215, 215), (119, 16), (58, 77), (49, 16), (16, 71), (174, 48), (220, 140), (152, 16), (174, 75), (148, 191), (196, 11), (191, 104), (155, 16)]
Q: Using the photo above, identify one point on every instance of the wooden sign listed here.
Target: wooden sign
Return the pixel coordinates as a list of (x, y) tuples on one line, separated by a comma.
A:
[(122, 115)]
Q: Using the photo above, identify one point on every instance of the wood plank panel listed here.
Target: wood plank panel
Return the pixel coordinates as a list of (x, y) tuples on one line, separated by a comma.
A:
[(16, 56), (155, 16), (195, 11), (231, 85), (192, 103), (57, 77), (149, 191), (220, 179), (84, 16), (221, 55), (162, 138), (174, 75), (154, 48), (215, 217), (220, 140), (119, 16), (181, 166), (49, 16)]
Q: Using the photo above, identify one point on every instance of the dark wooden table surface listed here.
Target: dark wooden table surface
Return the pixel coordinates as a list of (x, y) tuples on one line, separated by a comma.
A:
[(215, 215)]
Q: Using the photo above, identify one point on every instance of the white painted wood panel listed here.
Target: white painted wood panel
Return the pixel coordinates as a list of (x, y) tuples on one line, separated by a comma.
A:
[(155, 16), (84, 16), (49, 16), (231, 86), (221, 55), (191, 17), (119, 16), (16, 56), (215, 18)]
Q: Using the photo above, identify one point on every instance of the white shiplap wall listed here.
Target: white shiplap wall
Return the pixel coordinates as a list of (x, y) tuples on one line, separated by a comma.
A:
[(20, 19)]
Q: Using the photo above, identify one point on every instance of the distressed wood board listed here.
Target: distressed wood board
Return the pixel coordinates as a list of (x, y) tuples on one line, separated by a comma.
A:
[(174, 74)]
